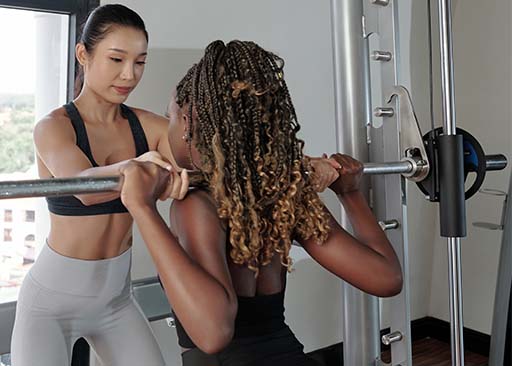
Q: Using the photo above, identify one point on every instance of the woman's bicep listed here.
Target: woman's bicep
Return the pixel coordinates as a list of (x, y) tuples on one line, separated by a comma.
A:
[(57, 150)]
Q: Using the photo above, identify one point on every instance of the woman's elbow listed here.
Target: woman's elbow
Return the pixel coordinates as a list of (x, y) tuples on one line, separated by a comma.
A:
[(217, 340), (94, 199), (86, 199), (393, 285), (220, 331)]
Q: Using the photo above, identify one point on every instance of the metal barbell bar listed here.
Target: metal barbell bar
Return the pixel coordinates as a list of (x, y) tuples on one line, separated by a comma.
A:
[(81, 185), (495, 162), (58, 186), (69, 186)]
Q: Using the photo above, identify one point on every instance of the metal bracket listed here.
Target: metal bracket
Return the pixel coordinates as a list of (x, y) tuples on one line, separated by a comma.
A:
[(411, 140), (383, 56), (171, 323), (389, 224), (384, 112), (396, 336)]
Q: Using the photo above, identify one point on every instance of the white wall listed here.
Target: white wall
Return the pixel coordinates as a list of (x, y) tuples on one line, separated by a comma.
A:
[(299, 31), (482, 53)]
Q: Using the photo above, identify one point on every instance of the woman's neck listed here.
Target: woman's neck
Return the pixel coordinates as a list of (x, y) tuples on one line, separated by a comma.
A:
[(95, 109)]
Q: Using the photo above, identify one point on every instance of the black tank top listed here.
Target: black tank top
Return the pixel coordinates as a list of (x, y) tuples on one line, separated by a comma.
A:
[(72, 206), (256, 316)]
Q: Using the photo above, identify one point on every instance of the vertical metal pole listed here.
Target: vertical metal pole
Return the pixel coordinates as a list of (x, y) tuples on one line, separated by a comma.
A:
[(454, 243), (361, 311), (456, 315), (448, 90)]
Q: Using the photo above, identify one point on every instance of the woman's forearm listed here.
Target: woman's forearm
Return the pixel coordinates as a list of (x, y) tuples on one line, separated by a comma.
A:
[(101, 171)]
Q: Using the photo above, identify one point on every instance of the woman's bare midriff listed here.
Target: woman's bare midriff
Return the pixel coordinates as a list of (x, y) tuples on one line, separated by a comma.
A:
[(91, 237)]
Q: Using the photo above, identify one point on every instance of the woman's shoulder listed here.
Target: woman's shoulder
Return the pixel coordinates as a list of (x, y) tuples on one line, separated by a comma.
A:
[(195, 218), (56, 121), (58, 115), (197, 206), (195, 200)]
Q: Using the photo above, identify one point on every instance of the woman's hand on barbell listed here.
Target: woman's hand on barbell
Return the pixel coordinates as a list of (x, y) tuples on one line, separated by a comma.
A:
[(324, 172), (350, 174)]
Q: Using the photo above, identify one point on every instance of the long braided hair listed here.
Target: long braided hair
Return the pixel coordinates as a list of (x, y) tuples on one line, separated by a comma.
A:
[(245, 129)]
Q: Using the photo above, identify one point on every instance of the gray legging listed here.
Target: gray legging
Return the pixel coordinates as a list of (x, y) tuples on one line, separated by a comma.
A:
[(63, 299)]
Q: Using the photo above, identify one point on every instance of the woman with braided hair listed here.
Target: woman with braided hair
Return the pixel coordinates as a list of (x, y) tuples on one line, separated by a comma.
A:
[(224, 260)]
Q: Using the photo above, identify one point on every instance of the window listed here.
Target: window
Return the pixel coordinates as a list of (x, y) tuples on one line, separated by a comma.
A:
[(7, 235), (32, 84), (7, 215), (30, 216), (5, 360)]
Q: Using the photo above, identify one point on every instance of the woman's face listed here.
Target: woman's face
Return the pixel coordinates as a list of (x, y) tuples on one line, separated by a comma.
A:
[(178, 132), (116, 64)]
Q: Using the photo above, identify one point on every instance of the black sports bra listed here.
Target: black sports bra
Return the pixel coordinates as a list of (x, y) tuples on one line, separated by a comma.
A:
[(72, 206)]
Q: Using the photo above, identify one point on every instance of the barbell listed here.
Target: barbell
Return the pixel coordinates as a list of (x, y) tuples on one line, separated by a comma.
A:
[(82, 185)]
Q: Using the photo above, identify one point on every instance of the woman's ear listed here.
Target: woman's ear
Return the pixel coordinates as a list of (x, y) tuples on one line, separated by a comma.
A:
[(185, 122), (184, 116), (81, 54)]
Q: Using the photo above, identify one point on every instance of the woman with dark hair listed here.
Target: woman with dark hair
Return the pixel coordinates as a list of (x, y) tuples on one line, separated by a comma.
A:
[(80, 284), (224, 260)]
